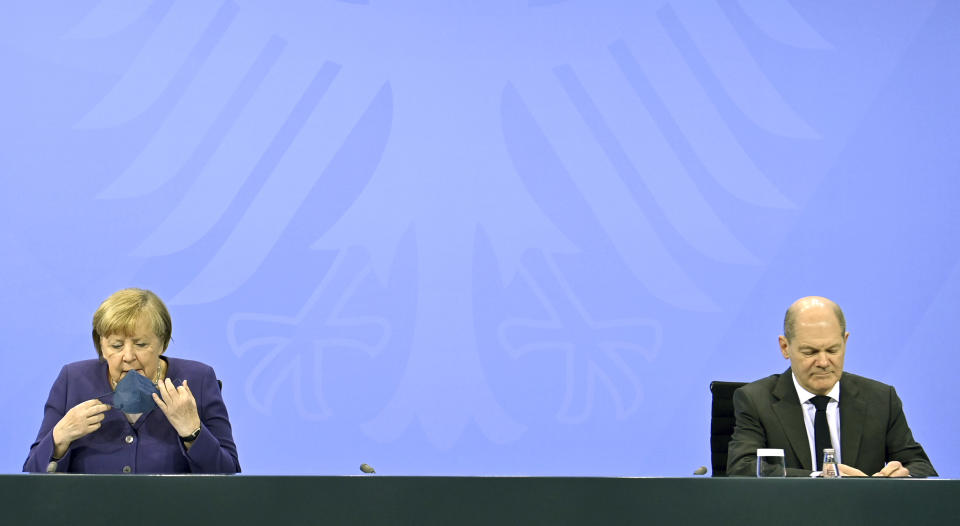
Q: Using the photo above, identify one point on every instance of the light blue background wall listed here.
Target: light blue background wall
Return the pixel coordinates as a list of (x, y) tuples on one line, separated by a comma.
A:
[(482, 237)]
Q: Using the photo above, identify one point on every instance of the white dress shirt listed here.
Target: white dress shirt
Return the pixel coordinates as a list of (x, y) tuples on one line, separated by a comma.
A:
[(809, 414)]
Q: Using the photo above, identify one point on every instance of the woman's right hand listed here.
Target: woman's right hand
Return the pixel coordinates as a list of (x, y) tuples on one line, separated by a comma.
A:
[(81, 420)]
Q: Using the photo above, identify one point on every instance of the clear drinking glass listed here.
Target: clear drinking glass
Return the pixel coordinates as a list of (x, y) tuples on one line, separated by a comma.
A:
[(770, 463)]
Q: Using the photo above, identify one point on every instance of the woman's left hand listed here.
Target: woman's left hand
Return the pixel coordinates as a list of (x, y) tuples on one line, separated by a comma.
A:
[(179, 405)]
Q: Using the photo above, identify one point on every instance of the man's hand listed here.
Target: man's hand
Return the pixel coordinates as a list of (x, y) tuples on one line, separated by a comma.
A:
[(850, 471), (893, 469)]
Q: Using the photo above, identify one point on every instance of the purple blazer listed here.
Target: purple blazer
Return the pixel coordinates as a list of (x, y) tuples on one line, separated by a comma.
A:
[(151, 445)]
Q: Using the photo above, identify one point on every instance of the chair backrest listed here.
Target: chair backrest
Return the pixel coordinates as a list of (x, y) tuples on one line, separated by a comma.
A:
[(722, 420)]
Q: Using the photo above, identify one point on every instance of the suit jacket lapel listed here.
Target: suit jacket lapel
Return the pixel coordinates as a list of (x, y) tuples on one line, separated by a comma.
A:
[(788, 410), (853, 413)]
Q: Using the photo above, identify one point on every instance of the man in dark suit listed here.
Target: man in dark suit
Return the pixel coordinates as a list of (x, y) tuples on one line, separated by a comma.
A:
[(815, 402)]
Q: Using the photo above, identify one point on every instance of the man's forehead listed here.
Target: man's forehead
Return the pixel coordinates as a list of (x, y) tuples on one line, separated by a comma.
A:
[(819, 334), (816, 315), (816, 322)]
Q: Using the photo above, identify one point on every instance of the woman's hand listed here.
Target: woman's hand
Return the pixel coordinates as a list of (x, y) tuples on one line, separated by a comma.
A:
[(179, 405), (81, 420)]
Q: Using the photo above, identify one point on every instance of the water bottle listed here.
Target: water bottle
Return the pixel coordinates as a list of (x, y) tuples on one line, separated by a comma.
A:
[(831, 468)]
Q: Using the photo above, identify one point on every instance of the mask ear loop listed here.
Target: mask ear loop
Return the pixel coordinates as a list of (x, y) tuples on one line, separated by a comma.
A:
[(104, 395)]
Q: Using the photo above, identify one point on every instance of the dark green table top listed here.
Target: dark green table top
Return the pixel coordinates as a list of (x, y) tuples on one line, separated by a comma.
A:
[(155, 499)]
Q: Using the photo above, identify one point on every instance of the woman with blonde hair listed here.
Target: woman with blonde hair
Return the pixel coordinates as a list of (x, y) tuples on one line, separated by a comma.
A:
[(133, 410)]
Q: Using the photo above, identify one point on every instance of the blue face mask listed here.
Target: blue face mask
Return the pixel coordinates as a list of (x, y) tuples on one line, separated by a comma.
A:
[(134, 394)]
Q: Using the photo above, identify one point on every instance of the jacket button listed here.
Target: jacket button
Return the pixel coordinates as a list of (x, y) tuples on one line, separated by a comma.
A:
[(126, 469), (128, 439)]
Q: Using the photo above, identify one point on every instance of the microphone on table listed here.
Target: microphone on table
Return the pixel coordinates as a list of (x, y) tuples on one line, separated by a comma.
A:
[(367, 468)]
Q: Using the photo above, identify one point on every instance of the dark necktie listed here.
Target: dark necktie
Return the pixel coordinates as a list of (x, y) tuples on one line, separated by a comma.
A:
[(821, 430)]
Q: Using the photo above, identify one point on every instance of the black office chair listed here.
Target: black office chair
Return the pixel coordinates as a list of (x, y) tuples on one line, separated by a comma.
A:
[(722, 420)]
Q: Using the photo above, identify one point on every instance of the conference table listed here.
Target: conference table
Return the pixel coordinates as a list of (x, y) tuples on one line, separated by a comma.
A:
[(175, 500)]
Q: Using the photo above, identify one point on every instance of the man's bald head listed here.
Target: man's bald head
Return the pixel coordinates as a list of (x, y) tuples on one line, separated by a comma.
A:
[(804, 304)]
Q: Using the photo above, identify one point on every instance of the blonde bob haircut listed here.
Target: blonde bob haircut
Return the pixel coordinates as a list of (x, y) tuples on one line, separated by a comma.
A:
[(120, 313)]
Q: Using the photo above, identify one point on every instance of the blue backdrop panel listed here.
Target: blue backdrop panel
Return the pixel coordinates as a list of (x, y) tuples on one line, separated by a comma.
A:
[(482, 237)]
